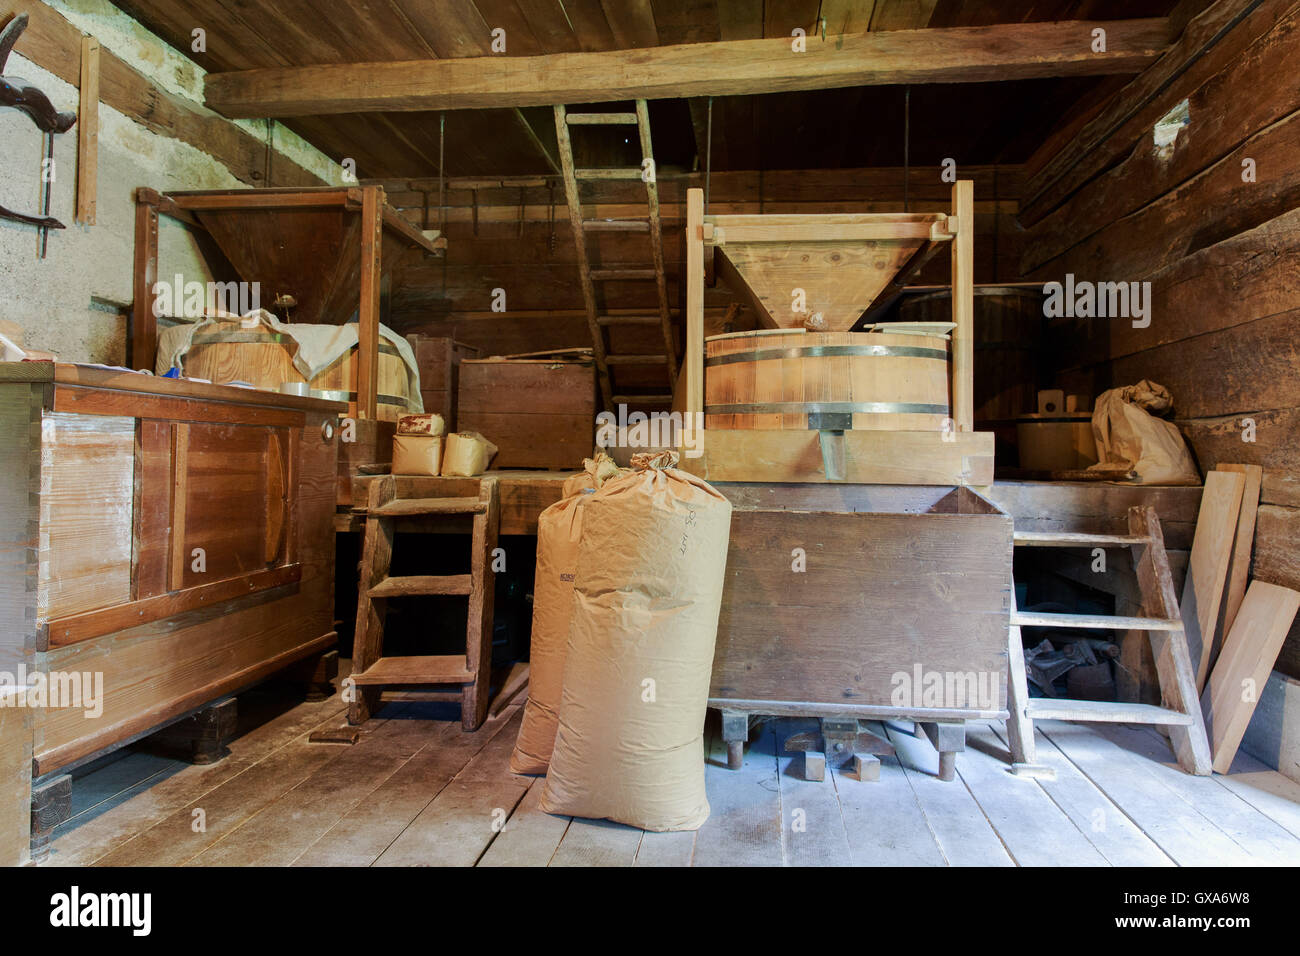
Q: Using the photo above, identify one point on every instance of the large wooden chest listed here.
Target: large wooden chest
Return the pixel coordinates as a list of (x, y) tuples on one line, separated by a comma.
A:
[(173, 540), (539, 413), (877, 601)]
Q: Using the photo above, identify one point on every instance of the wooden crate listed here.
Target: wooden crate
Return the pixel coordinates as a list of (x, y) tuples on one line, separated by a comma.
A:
[(438, 359), (114, 485), (539, 413), (921, 580)]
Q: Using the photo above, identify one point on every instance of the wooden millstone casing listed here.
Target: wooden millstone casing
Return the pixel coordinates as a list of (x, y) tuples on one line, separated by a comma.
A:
[(788, 379)]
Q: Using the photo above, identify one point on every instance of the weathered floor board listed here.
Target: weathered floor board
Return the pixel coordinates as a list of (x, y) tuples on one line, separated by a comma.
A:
[(417, 790), (1115, 836), (964, 834)]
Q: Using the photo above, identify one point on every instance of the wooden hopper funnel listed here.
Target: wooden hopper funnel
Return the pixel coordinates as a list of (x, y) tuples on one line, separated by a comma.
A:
[(303, 243), (795, 268)]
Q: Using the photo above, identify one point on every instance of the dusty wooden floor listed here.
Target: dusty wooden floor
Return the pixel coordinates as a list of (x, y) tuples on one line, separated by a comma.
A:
[(415, 790)]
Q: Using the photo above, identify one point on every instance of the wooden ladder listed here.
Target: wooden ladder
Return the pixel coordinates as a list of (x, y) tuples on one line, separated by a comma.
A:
[(597, 322), (1180, 708), (371, 670)]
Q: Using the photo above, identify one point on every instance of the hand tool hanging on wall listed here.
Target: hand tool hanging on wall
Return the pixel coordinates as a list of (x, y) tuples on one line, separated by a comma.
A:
[(17, 93)]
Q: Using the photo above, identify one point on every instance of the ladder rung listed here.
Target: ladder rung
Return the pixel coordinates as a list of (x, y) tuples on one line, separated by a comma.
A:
[(1069, 539), (612, 172), (641, 399), (616, 225), (444, 669), (600, 119), (1049, 708), (1104, 621), (628, 319), (416, 585), (604, 275), (412, 507), (636, 359)]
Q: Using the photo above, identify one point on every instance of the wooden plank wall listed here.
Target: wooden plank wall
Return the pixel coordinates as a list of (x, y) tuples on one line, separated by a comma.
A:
[(1222, 253), (499, 236)]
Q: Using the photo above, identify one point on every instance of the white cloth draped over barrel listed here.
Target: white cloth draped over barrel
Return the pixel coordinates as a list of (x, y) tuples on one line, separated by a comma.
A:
[(319, 346)]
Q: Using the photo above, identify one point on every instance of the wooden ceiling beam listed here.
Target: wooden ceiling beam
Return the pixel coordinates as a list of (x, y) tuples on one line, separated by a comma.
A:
[(947, 55)]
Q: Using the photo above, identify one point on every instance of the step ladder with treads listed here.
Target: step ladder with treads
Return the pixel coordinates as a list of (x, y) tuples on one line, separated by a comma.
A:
[(1180, 708), (372, 672), (586, 233)]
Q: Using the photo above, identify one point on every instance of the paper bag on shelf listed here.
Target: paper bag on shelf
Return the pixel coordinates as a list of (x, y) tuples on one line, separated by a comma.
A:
[(417, 454), (467, 454)]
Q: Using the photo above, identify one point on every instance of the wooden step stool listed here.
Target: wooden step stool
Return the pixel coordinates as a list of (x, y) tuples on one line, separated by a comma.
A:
[(371, 671), (1180, 706)]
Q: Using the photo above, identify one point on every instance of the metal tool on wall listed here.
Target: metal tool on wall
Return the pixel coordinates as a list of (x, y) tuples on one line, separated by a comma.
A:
[(17, 93)]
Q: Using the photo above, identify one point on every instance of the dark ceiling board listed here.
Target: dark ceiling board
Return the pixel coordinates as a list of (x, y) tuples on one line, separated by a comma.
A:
[(781, 19), (902, 14), (451, 27), (590, 24), (847, 16), (632, 22)]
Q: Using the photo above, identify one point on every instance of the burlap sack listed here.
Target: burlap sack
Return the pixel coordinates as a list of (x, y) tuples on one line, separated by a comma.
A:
[(559, 529), (651, 561), (1127, 432)]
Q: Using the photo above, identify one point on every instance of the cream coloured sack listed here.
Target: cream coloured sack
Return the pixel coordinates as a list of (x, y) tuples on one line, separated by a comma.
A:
[(651, 560), (559, 529), (1127, 432)]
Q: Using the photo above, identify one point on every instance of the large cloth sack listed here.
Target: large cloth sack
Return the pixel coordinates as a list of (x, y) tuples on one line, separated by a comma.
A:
[(651, 562), (1127, 432), (559, 529)]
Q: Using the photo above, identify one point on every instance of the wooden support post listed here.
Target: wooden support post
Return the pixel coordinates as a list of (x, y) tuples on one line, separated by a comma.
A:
[(949, 738), (963, 306), (735, 732), (814, 765), (372, 238), (51, 805), (1020, 729), (695, 307), (144, 323), (317, 673), (867, 767), (201, 738), (88, 132), (478, 643)]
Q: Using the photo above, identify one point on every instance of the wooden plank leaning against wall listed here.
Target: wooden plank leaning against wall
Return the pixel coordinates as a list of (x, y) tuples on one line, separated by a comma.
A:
[(1213, 223)]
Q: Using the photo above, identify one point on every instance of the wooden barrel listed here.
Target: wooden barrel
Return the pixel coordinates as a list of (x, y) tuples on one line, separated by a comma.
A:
[(1008, 346), (226, 352), (826, 380)]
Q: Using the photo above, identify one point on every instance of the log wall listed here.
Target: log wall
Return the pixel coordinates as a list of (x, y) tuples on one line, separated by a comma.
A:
[(1221, 250)]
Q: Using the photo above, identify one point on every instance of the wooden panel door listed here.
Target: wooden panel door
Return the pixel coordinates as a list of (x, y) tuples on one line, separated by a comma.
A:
[(231, 501)]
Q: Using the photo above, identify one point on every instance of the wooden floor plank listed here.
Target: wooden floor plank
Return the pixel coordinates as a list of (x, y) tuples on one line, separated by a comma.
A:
[(1034, 830), (1180, 829), (280, 832), (530, 836), (1272, 794), (597, 843), (1265, 841), (372, 825), (905, 840), (464, 818), (179, 838), (1106, 826), (812, 828), (112, 829), (963, 833), (675, 848), (103, 788), (744, 825)]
